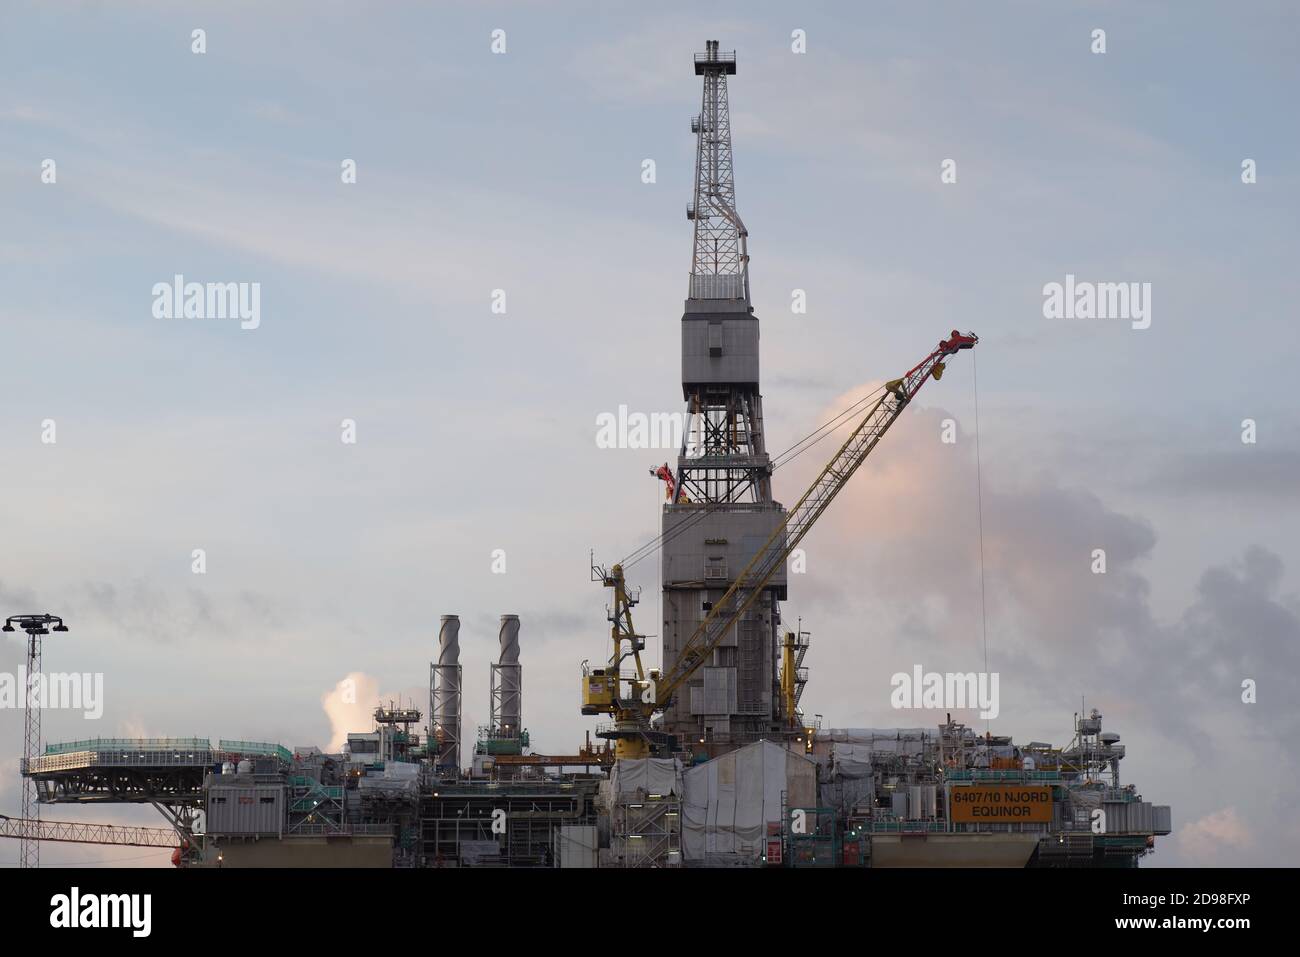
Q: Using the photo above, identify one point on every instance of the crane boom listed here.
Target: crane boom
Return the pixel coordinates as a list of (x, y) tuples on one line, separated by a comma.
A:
[(77, 833), (749, 584)]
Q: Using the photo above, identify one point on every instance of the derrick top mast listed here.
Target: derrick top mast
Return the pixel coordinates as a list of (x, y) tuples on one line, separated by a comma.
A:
[(720, 257), (729, 461)]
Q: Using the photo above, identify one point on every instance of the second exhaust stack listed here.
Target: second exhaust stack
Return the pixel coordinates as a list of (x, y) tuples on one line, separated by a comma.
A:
[(507, 682)]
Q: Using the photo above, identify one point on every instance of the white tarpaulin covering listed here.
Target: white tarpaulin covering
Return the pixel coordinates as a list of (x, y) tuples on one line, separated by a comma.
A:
[(729, 801), (852, 760), (850, 752), (576, 845), (397, 776), (648, 775)]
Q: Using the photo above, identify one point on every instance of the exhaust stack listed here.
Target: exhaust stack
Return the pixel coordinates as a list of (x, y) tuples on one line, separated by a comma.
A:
[(444, 695), (507, 682)]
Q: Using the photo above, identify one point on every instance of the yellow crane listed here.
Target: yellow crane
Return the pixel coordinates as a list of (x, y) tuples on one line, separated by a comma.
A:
[(651, 691), (793, 675)]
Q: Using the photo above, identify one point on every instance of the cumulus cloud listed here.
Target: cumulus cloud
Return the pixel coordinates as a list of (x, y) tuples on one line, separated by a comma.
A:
[(906, 534), (1240, 626), (350, 706), (1206, 840)]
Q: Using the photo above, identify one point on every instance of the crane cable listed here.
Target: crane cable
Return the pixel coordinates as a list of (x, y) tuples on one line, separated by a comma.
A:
[(784, 458), (787, 456), (979, 494)]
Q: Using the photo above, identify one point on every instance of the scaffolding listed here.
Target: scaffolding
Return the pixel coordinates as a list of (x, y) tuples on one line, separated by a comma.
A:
[(646, 830)]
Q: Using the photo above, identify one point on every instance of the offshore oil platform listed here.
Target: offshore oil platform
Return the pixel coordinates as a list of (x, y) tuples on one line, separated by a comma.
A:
[(709, 761)]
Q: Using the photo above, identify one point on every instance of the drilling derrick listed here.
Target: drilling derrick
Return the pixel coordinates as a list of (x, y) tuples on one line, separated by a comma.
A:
[(722, 507)]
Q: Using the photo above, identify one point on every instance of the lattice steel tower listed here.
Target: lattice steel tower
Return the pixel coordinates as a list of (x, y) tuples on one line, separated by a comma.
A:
[(36, 627), (723, 470)]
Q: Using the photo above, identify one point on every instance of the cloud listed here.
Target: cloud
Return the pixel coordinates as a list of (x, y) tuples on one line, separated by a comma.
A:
[(1251, 475), (1241, 626), (1205, 841), (16, 596), (908, 525), (138, 727), (170, 616), (350, 706)]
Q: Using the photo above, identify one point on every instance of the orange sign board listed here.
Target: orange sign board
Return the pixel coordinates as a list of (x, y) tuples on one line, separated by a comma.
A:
[(1002, 804)]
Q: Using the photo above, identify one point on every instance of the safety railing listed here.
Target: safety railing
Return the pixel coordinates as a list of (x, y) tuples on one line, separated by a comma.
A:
[(119, 758), (257, 748), (130, 744)]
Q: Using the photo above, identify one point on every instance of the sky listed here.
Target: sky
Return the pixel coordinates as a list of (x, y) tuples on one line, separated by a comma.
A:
[(522, 171)]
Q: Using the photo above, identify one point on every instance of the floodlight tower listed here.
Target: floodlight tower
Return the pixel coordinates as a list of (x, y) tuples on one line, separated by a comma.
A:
[(36, 626)]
